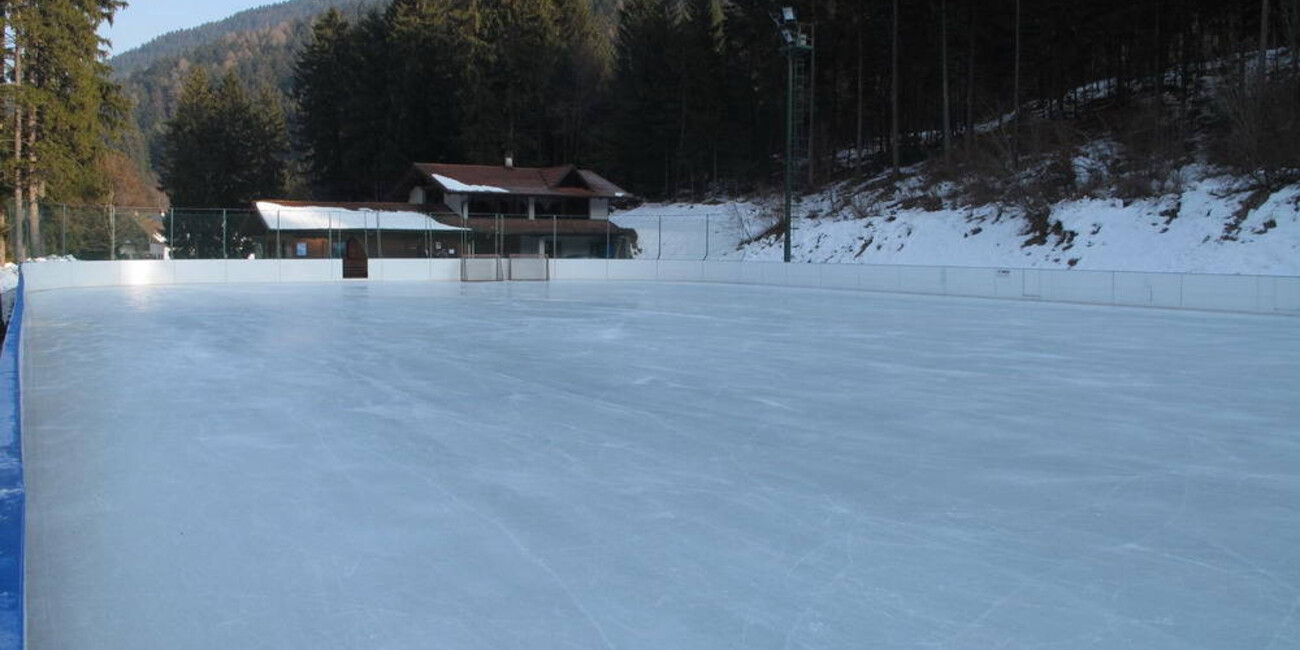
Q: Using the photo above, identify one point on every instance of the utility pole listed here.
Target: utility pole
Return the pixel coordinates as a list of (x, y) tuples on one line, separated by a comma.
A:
[(796, 44), (789, 149)]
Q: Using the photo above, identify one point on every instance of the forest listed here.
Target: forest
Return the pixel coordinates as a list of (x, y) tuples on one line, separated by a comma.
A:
[(673, 99), (686, 98)]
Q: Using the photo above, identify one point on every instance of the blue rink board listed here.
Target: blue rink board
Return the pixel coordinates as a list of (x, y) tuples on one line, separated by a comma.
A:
[(12, 490)]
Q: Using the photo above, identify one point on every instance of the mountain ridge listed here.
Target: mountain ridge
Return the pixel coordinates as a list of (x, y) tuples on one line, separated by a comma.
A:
[(179, 42)]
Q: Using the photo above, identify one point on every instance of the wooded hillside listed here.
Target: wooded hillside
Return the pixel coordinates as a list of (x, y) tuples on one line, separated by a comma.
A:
[(259, 46), (686, 97)]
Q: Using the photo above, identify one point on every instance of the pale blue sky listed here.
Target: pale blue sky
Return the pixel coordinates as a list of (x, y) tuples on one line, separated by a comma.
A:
[(143, 20)]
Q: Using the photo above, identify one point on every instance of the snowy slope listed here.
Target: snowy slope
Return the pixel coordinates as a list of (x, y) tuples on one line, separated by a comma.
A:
[(1190, 231), (8, 277)]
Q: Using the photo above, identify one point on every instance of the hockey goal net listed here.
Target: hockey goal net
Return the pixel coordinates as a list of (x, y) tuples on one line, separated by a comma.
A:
[(529, 267), (481, 268)]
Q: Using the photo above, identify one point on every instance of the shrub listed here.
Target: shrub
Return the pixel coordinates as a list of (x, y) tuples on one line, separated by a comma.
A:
[(1257, 128)]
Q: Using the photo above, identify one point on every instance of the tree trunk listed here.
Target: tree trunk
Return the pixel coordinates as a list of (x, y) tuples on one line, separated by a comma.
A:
[(1158, 78), (4, 213), (1263, 39), (970, 82), (893, 93), (857, 154), (1015, 101), (36, 247), (947, 101), (35, 191), (1293, 33), (19, 158)]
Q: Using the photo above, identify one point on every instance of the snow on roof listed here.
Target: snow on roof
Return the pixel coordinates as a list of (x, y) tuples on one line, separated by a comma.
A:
[(453, 185), (321, 217), (556, 181)]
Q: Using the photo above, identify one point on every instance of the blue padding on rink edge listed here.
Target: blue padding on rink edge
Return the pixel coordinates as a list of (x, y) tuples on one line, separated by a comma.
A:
[(13, 494)]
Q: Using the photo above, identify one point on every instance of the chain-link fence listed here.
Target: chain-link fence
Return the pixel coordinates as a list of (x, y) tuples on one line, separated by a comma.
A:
[(125, 233)]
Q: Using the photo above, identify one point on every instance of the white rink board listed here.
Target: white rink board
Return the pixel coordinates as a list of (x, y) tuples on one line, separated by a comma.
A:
[(1240, 293), (650, 465), (400, 270)]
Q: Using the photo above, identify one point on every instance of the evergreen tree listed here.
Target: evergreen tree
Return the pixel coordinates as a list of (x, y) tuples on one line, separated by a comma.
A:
[(372, 143), (579, 86), (60, 104), (320, 88), (425, 82), (222, 149), (648, 90), (709, 136), (513, 49)]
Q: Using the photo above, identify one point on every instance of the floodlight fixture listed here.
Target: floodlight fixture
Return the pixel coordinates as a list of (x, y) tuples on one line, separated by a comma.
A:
[(787, 36), (788, 14)]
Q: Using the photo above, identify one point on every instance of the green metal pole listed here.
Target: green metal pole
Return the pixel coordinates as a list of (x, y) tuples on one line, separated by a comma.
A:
[(789, 144)]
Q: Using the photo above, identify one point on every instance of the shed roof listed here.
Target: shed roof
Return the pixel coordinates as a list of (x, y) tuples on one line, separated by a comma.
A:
[(300, 215)]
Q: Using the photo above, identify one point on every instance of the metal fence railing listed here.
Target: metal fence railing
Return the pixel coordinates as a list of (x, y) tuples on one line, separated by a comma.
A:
[(125, 233)]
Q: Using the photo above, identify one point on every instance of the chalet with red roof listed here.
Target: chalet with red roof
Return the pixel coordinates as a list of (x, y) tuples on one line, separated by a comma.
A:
[(564, 191), (444, 210)]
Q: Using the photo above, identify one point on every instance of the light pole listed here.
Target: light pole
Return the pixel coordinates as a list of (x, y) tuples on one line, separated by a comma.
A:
[(795, 43)]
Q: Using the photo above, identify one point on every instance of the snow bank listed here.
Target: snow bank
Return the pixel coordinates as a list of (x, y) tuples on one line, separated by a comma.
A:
[(8, 277), (1205, 228)]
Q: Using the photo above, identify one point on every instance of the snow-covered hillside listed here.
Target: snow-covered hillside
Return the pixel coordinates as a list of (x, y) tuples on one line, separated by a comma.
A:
[(1214, 224)]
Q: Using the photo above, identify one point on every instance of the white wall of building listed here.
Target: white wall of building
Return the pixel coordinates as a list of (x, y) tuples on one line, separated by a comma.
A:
[(457, 203), (600, 208)]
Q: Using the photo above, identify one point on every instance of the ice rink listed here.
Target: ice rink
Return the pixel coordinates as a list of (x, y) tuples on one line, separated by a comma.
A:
[(654, 467)]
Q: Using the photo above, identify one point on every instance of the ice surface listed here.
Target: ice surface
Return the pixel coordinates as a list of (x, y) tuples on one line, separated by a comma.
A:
[(652, 466)]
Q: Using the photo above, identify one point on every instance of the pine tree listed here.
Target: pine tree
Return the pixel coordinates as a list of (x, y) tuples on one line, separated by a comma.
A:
[(320, 88), (512, 50), (424, 83), (579, 84), (222, 149), (375, 116), (648, 94), (187, 175), (61, 106), (709, 136)]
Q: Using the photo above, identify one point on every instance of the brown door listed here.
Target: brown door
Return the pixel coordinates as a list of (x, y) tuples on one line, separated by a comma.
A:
[(355, 263)]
